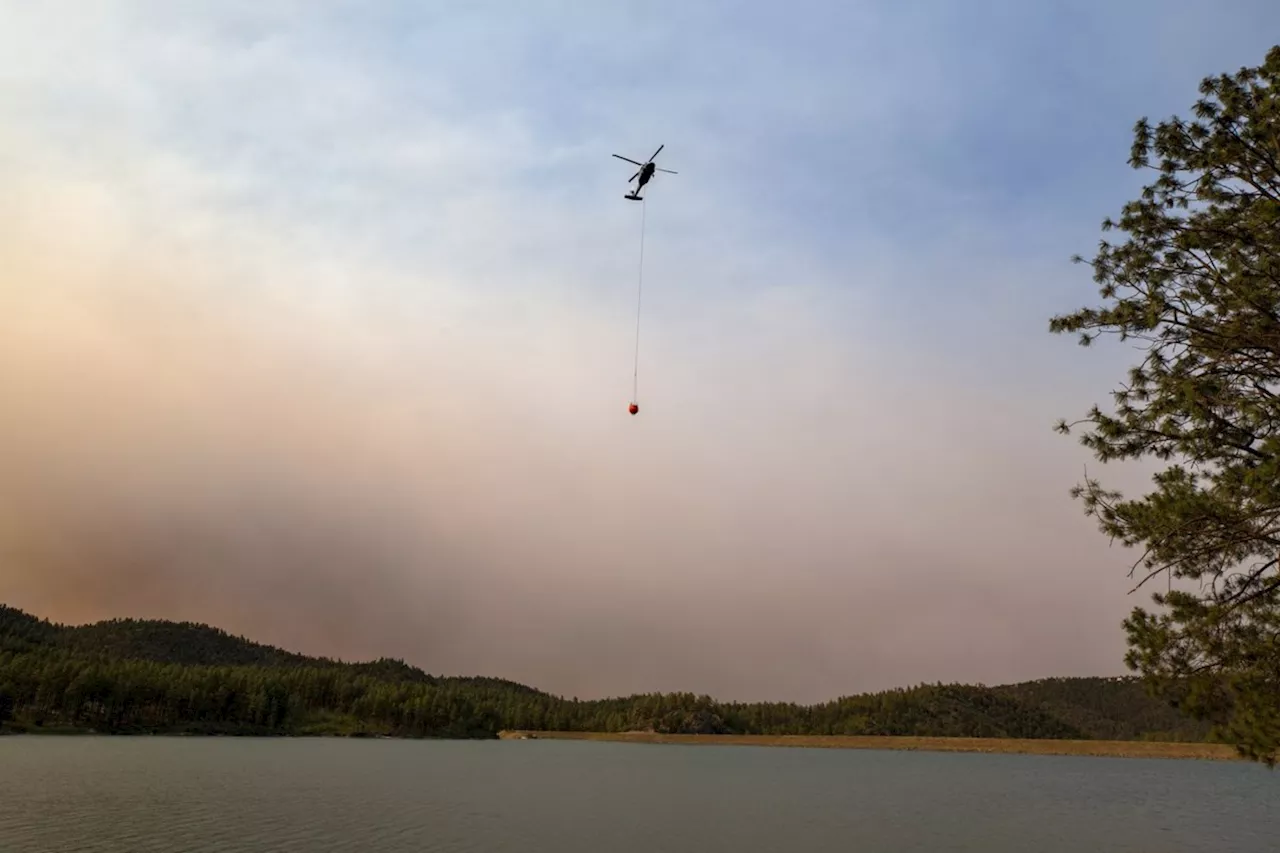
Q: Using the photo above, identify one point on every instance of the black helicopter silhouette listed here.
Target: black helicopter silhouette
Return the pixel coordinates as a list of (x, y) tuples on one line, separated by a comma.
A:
[(646, 172)]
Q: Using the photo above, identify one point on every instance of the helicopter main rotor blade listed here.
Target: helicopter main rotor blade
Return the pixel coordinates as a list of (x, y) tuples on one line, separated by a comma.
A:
[(655, 154), (668, 171), (633, 177), (628, 159)]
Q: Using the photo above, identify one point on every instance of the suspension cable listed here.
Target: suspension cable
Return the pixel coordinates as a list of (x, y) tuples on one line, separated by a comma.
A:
[(635, 377)]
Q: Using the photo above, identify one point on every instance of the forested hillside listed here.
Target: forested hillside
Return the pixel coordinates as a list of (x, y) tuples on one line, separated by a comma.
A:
[(154, 676), (1108, 709)]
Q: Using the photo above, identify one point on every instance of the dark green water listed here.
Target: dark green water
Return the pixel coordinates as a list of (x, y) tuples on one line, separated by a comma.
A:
[(223, 794)]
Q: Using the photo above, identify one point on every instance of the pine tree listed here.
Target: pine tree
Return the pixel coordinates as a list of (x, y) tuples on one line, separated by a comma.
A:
[(1196, 286)]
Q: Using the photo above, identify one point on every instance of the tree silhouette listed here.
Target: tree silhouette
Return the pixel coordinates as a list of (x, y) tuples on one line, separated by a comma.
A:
[(1195, 285)]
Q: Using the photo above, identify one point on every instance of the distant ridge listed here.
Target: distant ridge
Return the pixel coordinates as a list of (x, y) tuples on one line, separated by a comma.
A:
[(191, 644), (131, 675)]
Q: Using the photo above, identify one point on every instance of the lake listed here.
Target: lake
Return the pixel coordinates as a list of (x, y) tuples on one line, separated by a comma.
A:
[(228, 795)]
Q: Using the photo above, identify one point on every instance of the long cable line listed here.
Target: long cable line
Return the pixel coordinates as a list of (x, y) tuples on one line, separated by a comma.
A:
[(635, 377)]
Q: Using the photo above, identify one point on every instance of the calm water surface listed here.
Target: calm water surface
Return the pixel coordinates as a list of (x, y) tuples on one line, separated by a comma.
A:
[(223, 794)]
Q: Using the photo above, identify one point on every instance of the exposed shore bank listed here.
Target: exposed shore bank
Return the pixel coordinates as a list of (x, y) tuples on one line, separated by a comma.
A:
[(1012, 746)]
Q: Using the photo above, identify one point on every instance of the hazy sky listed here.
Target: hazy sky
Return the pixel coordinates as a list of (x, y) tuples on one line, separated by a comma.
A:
[(316, 324)]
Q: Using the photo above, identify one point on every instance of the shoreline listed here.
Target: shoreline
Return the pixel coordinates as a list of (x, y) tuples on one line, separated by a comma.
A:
[(1184, 751), (1006, 746), (242, 733)]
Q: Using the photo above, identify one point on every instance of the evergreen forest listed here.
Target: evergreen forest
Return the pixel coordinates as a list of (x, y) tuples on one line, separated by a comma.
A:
[(141, 676)]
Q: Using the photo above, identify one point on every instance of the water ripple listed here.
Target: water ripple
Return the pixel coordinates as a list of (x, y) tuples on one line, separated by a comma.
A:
[(222, 795)]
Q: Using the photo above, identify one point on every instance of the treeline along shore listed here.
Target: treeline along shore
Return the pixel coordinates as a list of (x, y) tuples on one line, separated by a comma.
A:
[(128, 676)]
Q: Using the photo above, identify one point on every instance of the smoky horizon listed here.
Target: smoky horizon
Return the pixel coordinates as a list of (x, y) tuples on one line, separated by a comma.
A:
[(325, 338)]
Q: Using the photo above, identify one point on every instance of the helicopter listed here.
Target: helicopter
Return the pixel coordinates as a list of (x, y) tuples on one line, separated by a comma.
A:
[(645, 174)]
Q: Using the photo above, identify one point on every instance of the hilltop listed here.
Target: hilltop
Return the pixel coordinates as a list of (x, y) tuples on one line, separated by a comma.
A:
[(194, 644), (129, 675)]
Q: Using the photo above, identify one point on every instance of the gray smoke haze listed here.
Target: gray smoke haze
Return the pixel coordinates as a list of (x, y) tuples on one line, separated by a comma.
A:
[(284, 349), (178, 444)]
